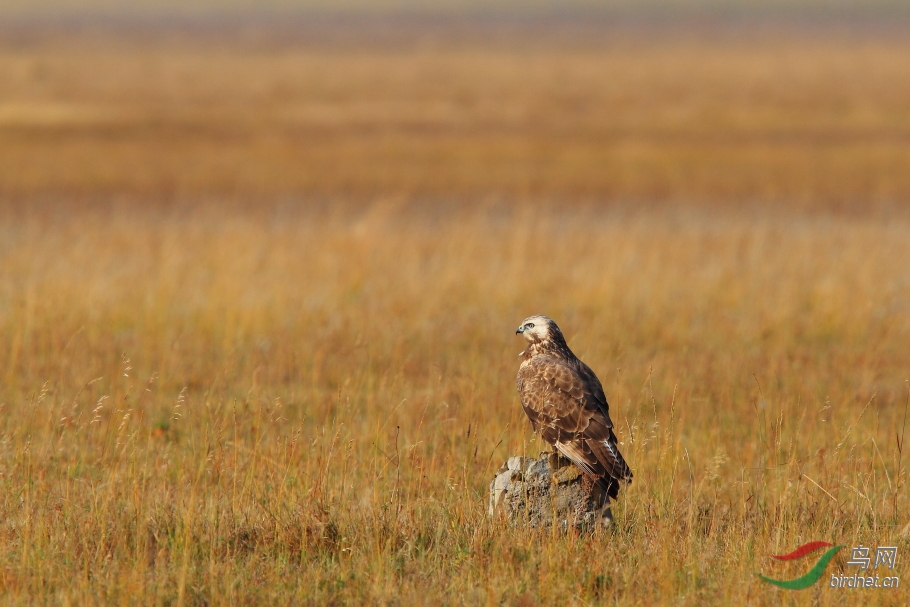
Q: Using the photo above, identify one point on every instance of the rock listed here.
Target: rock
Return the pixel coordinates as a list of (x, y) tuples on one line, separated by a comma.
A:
[(539, 492)]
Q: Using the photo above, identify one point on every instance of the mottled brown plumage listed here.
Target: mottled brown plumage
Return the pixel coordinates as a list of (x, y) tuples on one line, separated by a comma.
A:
[(566, 404)]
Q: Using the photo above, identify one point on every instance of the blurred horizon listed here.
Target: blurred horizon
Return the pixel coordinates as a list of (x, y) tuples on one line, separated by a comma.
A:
[(51, 10), (788, 104)]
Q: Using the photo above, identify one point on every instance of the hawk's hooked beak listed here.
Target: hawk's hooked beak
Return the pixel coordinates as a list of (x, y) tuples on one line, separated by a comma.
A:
[(519, 330)]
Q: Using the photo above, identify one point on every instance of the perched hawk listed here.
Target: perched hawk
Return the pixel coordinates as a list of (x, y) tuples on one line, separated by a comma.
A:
[(566, 404)]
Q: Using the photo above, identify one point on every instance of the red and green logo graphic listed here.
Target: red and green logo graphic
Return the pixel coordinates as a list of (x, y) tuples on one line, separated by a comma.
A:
[(813, 575)]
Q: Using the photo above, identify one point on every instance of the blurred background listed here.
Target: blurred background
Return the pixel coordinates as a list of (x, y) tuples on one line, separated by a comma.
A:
[(800, 103)]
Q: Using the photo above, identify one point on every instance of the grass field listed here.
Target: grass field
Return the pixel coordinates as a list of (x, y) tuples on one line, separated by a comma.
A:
[(258, 302), (575, 115)]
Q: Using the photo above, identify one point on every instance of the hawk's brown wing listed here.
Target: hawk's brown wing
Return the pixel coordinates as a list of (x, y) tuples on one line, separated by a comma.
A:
[(567, 407)]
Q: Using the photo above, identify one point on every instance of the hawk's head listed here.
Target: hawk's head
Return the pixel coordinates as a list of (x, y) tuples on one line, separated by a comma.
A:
[(537, 329)]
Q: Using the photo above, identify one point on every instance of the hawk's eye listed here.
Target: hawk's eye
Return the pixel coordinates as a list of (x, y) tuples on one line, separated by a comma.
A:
[(530, 325)]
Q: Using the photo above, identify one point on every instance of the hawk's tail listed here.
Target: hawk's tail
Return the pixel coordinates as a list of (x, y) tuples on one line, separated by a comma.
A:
[(615, 467)]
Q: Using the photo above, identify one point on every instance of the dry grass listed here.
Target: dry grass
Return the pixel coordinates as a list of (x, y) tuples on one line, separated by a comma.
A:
[(797, 118), (300, 408), (291, 403)]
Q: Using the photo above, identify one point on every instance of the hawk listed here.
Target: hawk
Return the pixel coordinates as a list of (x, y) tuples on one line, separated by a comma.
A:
[(566, 404)]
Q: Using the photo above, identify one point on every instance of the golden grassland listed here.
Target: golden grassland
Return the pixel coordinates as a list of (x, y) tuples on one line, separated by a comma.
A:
[(299, 408), (244, 361), (799, 118)]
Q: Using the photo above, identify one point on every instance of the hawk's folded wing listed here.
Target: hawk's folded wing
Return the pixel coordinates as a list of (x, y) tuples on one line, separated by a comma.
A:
[(567, 407)]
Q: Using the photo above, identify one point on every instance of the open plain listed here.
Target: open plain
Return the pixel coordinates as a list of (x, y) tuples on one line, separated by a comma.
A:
[(258, 294)]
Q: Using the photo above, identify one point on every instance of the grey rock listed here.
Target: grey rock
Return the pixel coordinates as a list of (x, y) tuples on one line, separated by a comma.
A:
[(547, 490)]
